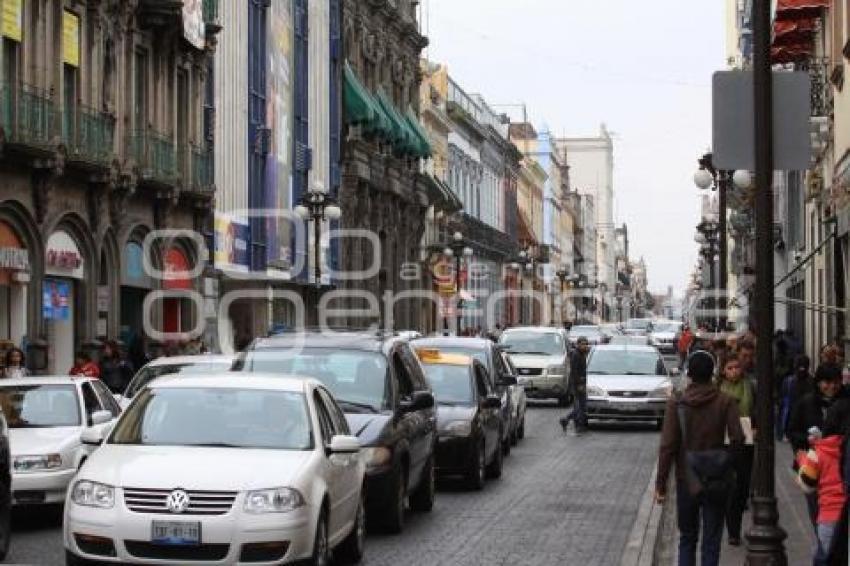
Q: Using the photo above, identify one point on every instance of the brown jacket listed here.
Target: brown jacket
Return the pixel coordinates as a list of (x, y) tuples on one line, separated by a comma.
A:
[(709, 416)]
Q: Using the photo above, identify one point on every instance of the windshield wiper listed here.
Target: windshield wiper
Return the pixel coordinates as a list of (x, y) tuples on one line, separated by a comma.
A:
[(215, 445), (365, 406), (533, 353), (636, 373), (598, 373)]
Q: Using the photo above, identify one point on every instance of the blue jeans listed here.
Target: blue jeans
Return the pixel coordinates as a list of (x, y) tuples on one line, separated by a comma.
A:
[(827, 535), (689, 509), (579, 412)]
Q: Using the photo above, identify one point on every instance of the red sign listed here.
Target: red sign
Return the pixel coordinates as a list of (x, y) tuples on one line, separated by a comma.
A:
[(177, 270), (64, 259)]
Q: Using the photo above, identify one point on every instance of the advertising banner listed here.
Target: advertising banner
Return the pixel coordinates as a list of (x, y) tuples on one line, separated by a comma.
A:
[(70, 39), (231, 243), (56, 299)]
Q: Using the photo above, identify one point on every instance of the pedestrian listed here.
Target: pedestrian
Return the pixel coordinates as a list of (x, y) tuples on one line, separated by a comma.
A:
[(746, 357), (84, 366), (15, 365), (115, 371), (821, 476), (578, 387), (743, 392), (807, 419), (797, 385), (696, 424), (686, 340)]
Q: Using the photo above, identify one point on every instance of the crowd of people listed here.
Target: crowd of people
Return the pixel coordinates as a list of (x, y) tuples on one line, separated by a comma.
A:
[(708, 437)]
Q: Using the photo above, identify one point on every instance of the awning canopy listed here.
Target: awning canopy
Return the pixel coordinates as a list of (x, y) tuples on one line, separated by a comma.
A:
[(424, 145), (795, 9), (794, 27), (790, 32), (359, 106)]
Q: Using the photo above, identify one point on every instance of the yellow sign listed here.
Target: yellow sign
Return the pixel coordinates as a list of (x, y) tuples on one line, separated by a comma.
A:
[(70, 38), (13, 19)]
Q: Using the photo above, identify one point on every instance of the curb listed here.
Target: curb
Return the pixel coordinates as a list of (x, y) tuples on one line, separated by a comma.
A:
[(641, 546)]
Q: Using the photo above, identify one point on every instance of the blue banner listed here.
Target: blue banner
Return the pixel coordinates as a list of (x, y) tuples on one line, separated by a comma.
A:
[(56, 299)]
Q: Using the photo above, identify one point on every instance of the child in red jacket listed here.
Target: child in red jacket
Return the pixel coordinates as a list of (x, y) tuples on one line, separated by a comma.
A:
[(820, 469), (84, 366)]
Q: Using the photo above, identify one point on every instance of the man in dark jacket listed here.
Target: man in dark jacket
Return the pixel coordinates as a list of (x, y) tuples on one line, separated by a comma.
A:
[(709, 416), (578, 387)]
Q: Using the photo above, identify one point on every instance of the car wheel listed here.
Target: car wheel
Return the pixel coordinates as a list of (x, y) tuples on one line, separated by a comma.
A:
[(494, 469), (520, 431), (321, 547), (350, 551), (423, 498), (5, 522), (393, 514), (475, 475)]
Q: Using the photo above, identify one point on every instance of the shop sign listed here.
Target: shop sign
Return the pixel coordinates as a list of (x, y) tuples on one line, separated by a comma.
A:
[(13, 19), (14, 258), (64, 259), (231, 243), (177, 270), (70, 39), (56, 299)]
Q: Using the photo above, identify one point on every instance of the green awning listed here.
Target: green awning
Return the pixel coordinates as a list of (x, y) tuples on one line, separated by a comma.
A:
[(424, 150), (403, 137), (383, 125), (359, 106)]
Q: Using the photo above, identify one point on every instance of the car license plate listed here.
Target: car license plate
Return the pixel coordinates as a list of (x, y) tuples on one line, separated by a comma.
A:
[(177, 533), (630, 407)]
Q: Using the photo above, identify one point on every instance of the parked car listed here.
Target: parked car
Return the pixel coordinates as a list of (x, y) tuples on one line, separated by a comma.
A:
[(629, 340), (540, 357), (202, 468), (47, 418), (664, 336), (381, 387), (5, 488), (611, 329), (627, 383), (593, 334), (200, 364), (468, 415), (503, 378), (638, 326)]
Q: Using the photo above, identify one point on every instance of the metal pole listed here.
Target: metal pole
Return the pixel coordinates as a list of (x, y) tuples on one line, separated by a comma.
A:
[(722, 187), (765, 537), (458, 303), (317, 235)]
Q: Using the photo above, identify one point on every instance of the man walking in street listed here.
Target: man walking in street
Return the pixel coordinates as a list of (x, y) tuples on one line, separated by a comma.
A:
[(578, 387), (686, 339), (696, 424)]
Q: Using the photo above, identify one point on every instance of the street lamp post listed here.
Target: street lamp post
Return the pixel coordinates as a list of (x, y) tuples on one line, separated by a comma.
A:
[(765, 537), (317, 206), (458, 249), (563, 275)]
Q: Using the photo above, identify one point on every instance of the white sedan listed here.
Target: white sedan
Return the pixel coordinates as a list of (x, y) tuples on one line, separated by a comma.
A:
[(212, 470), (47, 419), (167, 365)]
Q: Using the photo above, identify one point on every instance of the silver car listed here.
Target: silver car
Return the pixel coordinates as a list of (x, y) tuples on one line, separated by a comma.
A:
[(627, 383)]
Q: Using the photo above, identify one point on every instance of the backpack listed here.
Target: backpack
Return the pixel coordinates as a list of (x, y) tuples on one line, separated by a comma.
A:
[(709, 474)]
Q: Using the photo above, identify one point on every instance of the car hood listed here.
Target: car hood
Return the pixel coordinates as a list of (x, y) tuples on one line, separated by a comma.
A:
[(35, 441), (448, 413), (367, 427), (627, 382), (534, 361), (211, 469)]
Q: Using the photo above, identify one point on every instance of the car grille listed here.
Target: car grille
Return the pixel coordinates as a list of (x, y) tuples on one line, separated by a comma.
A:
[(629, 394), (200, 502), (529, 371), (201, 552)]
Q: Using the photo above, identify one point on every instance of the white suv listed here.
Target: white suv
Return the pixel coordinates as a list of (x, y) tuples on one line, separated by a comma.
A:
[(211, 469)]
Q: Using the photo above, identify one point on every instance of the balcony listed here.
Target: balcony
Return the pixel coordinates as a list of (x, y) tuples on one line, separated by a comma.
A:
[(28, 118), (154, 157), (160, 13), (195, 166), (88, 136), (210, 10)]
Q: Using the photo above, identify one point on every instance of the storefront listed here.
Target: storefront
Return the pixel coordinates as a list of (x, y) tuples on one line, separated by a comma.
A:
[(135, 285), (178, 313), (14, 276), (62, 299)]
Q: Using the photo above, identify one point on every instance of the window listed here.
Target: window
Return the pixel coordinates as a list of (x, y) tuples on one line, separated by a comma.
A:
[(481, 380), (405, 384), (340, 425), (325, 422), (414, 369), (141, 94), (106, 399), (11, 60), (91, 402)]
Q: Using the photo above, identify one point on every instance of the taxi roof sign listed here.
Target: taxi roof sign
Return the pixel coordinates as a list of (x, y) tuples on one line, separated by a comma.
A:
[(435, 356)]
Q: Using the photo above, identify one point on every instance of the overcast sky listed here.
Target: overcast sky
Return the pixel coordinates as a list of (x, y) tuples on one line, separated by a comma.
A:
[(644, 69)]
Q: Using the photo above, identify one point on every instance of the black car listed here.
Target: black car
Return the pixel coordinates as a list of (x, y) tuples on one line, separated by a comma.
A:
[(379, 384), (5, 489), (468, 413), (500, 372)]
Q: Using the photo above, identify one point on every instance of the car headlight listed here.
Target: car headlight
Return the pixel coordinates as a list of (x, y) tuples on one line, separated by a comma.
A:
[(664, 391), (556, 370), (596, 391), (276, 500), (377, 456), (93, 494), (457, 428), (36, 463)]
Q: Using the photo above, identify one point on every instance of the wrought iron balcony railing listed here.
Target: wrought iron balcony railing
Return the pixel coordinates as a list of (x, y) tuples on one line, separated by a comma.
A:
[(210, 10), (88, 135), (202, 174), (28, 115), (154, 155)]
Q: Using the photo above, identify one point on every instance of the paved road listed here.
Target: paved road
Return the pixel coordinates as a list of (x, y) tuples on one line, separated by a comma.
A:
[(561, 500)]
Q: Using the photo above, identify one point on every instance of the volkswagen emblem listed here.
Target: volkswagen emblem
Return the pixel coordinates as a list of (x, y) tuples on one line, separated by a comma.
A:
[(177, 501)]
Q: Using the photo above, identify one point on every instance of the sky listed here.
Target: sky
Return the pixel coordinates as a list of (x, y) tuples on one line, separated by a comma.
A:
[(643, 69)]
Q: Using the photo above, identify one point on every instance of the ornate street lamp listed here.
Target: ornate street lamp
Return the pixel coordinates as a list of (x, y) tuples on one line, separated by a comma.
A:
[(458, 249), (318, 206)]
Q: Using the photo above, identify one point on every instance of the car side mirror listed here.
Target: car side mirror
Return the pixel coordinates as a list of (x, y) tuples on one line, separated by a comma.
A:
[(341, 444), (92, 437), (100, 417), (420, 400), (508, 380), (492, 402)]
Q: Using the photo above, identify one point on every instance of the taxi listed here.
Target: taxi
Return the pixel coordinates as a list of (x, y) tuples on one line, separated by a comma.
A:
[(469, 420)]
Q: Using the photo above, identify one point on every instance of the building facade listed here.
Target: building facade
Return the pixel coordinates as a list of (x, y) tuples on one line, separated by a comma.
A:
[(105, 144)]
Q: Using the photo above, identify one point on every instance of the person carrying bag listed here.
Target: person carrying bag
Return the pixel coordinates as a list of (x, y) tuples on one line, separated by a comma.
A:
[(696, 425)]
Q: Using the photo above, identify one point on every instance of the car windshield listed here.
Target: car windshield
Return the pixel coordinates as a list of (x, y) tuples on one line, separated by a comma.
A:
[(216, 417), (638, 324), (150, 372), (357, 379), (543, 343), (40, 406), (452, 384), (625, 362)]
